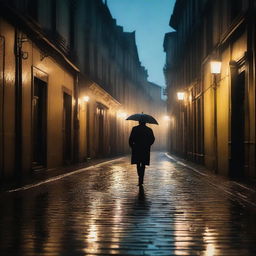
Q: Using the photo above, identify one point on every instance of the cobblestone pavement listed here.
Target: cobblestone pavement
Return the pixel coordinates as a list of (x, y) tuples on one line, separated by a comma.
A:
[(101, 211)]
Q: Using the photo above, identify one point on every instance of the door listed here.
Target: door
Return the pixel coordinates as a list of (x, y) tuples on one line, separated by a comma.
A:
[(101, 131), (101, 120), (39, 123), (2, 135), (237, 126), (67, 120)]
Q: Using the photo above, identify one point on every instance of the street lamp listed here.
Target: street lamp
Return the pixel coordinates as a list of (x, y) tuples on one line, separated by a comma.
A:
[(182, 121), (215, 67), (181, 95), (122, 115), (166, 118), (215, 70), (86, 98)]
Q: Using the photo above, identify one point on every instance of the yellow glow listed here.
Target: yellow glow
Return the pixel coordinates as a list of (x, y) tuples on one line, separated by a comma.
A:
[(166, 118), (209, 238), (181, 95), (9, 77), (92, 238), (86, 98), (215, 67), (93, 234), (183, 239), (122, 115), (210, 250)]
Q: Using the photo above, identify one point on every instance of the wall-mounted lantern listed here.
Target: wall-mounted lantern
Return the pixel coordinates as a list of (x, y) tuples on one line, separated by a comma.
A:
[(166, 118), (122, 115), (215, 70), (181, 95), (86, 98), (215, 67)]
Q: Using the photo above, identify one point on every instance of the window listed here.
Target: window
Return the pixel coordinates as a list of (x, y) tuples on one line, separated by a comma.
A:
[(32, 7), (45, 14), (63, 20)]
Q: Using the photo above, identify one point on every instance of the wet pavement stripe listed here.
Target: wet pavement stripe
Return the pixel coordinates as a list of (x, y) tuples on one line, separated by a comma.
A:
[(26, 187)]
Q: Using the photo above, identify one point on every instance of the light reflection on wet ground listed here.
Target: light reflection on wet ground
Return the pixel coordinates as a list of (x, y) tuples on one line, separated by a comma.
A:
[(103, 212)]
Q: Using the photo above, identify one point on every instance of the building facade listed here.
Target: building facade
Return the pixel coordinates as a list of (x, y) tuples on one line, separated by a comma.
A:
[(69, 77), (37, 93), (159, 110), (213, 123), (112, 77)]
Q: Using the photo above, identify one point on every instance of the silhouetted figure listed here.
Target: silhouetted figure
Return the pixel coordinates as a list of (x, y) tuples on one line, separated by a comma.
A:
[(141, 139)]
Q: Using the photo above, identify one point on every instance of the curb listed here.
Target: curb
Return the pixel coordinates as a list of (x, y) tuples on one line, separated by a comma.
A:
[(76, 170), (234, 189)]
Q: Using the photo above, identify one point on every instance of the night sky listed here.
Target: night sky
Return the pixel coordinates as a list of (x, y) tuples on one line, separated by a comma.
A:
[(150, 20)]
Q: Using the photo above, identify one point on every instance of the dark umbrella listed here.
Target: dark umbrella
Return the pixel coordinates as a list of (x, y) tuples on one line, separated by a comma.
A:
[(143, 118)]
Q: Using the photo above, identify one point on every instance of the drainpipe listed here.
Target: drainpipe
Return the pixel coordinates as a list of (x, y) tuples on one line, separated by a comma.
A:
[(76, 121), (18, 103)]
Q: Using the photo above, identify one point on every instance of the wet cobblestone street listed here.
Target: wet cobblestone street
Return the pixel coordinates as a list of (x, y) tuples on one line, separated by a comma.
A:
[(102, 211)]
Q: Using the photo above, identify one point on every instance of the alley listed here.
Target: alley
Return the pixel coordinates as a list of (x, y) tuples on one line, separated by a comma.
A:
[(102, 211)]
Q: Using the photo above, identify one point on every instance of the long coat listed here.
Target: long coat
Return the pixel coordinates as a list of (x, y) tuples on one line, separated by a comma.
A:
[(140, 140)]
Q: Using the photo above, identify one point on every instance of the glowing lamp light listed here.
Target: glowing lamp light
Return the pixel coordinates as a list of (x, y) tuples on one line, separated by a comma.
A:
[(86, 98), (215, 67), (181, 95), (166, 118), (122, 115)]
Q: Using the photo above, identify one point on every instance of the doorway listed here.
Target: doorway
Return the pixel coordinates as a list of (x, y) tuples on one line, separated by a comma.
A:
[(2, 116), (67, 120), (39, 123), (101, 119), (237, 126)]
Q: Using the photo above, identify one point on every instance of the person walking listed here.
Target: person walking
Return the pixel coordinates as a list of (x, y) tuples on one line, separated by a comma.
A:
[(140, 141)]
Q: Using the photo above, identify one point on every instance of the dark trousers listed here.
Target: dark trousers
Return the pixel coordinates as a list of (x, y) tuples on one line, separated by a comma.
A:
[(141, 171)]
